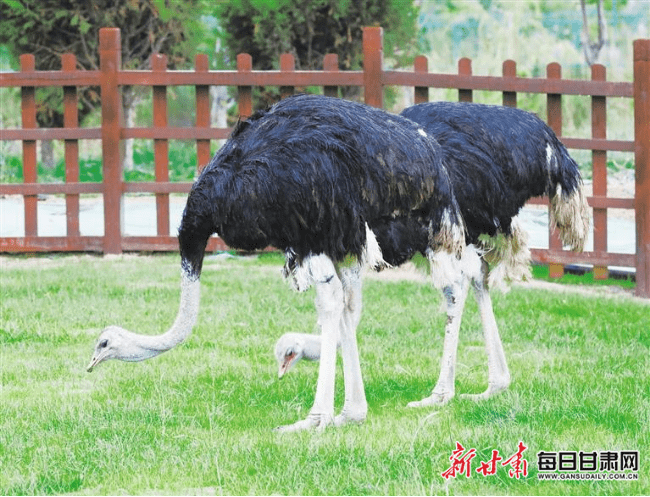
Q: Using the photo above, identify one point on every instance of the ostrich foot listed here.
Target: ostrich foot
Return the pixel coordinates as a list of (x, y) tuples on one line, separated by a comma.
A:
[(354, 415), (491, 391), (313, 421), (435, 399)]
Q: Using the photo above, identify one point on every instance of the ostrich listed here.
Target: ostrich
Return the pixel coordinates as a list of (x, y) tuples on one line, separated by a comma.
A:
[(339, 187), (497, 158)]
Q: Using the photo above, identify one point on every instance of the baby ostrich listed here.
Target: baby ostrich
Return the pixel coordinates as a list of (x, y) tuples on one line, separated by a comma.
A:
[(338, 186), (497, 158)]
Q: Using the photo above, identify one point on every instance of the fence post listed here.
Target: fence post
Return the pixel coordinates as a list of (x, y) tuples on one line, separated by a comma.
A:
[(202, 112), (245, 102), (465, 69), (161, 146), (554, 117), (509, 70), (599, 167), (331, 64), (421, 93), (71, 153), (373, 58), (642, 164), (287, 64), (28, 111), (110, 61)]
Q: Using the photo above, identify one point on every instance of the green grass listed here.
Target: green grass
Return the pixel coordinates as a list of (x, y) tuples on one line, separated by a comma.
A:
[(541, 272), (199, 419)]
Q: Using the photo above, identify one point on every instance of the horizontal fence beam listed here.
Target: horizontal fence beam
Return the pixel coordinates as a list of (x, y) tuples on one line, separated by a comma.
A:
[(547, 256), (242, 78), (500, 84), (51, 134), (598, 201), (323, 78), (164, 244), (176, 133), (49, 78), (50, 188), (158, 187), (52, 244)]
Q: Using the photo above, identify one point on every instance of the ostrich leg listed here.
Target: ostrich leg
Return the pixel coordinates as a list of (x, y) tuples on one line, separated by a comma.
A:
[(355, 407), (329, 304), (498, 374), (455, 295)]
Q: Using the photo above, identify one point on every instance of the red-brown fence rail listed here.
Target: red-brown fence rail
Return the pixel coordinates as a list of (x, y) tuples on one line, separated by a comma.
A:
[(110, 78)]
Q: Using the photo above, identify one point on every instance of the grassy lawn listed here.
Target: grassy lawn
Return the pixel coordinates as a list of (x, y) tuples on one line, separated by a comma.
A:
[(199, 419)]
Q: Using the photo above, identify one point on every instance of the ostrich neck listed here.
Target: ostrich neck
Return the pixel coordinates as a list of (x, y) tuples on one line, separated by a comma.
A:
[(147, 346), (311, 347)]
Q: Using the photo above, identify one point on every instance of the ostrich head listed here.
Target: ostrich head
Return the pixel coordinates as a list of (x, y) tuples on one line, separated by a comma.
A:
[(292, 347), (289, 349), (117, 343)]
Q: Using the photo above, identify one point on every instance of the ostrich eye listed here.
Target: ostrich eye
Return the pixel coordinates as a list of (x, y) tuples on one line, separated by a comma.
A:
[(289, 353), (103, 344)]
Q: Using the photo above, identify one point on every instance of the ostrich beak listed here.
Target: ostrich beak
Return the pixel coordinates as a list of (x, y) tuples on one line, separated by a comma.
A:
[(92, 364), (286, 365), (97, 358)]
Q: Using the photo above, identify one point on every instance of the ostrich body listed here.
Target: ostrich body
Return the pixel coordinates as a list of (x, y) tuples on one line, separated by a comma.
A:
[(497, 158), (338, 186)]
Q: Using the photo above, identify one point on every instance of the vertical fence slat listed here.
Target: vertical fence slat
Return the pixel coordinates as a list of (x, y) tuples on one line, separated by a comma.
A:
[(554, 117), (71, 147), (110, 61), (642, 164), (599, 162), (28, 111), (202, 112), (465, 69), (331, 64), (161, 146), (373, 57), (421, 93), (287, 64), (509, 69), (245, 93)]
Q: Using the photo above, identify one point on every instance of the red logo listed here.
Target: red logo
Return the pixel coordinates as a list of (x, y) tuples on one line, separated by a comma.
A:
[(461, 463)]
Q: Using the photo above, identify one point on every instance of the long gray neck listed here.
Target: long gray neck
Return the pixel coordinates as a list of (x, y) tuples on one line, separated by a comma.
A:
[(147, 346), (311, 347)]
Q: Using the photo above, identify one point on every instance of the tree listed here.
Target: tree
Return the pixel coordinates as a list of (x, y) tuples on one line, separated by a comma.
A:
[(312, 28), (592, 50), (50, 28)]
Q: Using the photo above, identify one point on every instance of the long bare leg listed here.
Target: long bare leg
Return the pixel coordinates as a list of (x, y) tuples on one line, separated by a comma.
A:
[(498, 374), (455, 295), (355, 407), (329, 304)]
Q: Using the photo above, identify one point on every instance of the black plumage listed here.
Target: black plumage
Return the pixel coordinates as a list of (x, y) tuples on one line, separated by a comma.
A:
[(306, 175), (497, 158)]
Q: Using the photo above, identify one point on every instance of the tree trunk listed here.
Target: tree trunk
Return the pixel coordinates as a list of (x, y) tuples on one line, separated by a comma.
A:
[(219, 108), (592, 50), (47, 154), (129, 103)]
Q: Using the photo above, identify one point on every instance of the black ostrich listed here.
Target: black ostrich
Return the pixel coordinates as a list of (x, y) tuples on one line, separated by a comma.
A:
[(338, 186), (497, 158)]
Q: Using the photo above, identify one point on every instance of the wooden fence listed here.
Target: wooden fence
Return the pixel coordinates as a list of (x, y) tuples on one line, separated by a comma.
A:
[(373, 78)]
